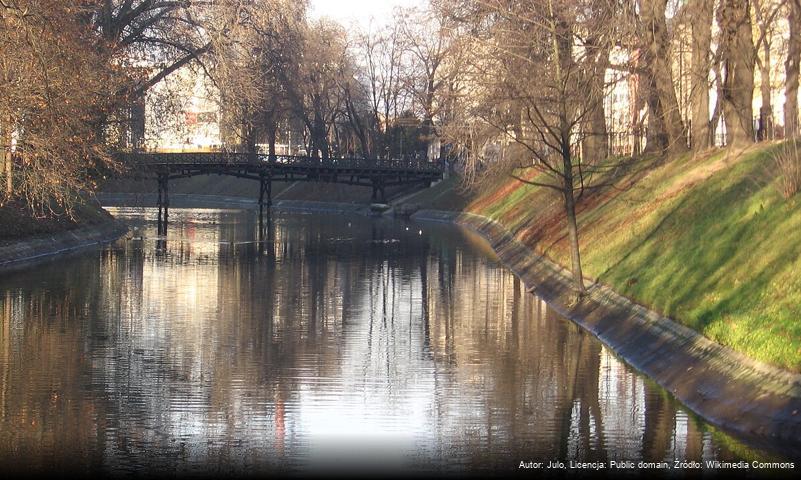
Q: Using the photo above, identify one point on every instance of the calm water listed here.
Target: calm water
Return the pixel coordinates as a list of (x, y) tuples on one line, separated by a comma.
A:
[(338, 343)]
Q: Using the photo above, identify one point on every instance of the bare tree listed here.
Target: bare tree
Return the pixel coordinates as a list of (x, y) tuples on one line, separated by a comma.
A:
[(57, 80), (254, 49), (765, 13), (168, 34), (665, 124), (383, 71), (153, 38), (357, 103), (315, 95), (430, 44), (531, 86)]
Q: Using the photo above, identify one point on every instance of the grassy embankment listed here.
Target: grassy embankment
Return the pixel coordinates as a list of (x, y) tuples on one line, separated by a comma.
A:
[(707, 241), (17, 222)]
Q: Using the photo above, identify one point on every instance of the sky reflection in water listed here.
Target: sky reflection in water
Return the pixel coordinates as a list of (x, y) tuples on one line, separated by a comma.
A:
[(340, 342)]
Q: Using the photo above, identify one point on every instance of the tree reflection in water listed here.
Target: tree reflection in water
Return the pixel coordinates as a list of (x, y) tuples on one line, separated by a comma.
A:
[(326, 340)]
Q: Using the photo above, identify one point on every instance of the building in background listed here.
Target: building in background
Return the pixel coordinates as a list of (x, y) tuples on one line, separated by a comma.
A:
[(181, 113)]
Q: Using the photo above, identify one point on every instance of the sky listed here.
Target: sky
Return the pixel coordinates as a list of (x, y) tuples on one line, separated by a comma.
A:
[(360, 11)]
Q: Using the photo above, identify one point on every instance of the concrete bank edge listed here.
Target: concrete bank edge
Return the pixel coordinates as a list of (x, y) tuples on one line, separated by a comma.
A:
[(721, 385), (34, 251)]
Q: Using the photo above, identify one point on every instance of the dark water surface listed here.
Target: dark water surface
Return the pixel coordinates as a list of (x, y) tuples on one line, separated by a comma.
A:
[(341, 342)]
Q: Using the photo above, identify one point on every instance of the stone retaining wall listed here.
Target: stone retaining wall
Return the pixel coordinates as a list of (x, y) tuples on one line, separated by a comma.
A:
[(32, 251), (725, 387)]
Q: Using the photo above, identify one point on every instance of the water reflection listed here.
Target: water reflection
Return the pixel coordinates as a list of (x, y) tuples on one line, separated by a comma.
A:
[(328, 342)]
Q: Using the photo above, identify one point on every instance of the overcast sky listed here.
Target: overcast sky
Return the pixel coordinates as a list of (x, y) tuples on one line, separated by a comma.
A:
[(360, 11)]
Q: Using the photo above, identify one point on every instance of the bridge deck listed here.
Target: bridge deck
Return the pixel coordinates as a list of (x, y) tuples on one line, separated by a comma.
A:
[(279, 163), (378, 174)]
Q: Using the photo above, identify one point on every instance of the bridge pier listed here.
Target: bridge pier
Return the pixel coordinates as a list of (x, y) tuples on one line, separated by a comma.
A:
[(163, 203), (379, 194), (266, 233), (265, 189)]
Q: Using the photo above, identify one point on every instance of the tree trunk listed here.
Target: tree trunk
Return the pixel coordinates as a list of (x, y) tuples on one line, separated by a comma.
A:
[(272, 133), (336, 149), (791, 68), (325, 151), (249, 132), (572, 231), (364, 141), (637, 84), (9, 172), (3, 149), (429, 134), (358, 128), (8, 160), (572, 224), (737, 56), (656, 138), (319, 138), (658, 59), (766, 109), (595, 144), (596, 141), (701, 11), (716, 112), (138, 124)]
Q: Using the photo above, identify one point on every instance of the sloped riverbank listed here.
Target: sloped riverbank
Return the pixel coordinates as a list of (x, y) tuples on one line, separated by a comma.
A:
[(723, 386), (706, 240), (30, 251)]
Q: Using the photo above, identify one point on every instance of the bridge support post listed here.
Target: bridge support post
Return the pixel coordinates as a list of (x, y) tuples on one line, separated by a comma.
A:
[(265, 189), (379, 195), (158, 204), (163, 203)]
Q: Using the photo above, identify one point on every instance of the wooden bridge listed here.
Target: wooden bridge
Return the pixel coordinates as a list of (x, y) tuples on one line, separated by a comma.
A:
[(378, 174)]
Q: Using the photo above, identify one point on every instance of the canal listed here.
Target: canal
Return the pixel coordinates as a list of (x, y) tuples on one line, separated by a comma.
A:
[(337, 343)]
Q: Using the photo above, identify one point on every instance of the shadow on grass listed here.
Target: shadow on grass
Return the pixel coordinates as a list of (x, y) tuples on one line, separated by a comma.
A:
[(716, 254)]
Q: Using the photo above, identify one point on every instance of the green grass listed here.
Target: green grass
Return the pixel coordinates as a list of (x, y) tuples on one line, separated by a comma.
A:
[(706, 241), (445, 195)]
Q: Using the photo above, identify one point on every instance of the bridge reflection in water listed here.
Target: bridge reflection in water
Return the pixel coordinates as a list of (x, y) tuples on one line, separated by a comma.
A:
[(376, 173), (341, 339)]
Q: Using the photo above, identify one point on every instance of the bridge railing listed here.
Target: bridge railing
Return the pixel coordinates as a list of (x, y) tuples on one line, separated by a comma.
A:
[(257, 159)]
